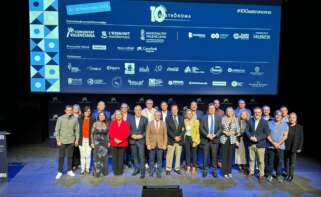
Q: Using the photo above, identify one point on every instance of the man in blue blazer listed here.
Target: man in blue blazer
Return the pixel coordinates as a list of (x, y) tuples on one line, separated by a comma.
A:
[(138, 125), (211, 129), (257, 133)]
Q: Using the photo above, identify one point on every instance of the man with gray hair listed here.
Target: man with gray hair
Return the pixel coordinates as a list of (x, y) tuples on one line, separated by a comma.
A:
[(67, 136), (149, 111)]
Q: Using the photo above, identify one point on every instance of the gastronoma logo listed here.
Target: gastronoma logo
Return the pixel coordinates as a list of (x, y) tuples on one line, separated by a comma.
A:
[(159, 14)]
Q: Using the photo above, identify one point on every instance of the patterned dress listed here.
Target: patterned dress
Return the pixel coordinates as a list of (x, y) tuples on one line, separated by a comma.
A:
[(99, 138), (240, 152)]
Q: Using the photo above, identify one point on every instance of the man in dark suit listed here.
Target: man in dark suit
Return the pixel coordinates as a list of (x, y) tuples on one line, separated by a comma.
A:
[(175, 132), (197, 114), (124, 108), (211, 129), (293, 145), (138, 125), (257, 133)]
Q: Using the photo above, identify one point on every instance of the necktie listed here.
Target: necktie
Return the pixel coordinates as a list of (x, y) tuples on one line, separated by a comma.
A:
[(176, 122), (137, 123), (212, 124)]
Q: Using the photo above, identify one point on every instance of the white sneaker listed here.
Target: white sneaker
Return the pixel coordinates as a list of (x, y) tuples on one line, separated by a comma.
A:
[(230, 175), (71, 173), (59, 175)]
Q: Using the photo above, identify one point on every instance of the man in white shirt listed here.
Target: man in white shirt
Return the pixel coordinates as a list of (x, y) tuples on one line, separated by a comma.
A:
[(138, 126), (164, 111), (149, 111)]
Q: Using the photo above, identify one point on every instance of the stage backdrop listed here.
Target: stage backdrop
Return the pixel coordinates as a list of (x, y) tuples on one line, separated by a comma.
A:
[(132, 46)]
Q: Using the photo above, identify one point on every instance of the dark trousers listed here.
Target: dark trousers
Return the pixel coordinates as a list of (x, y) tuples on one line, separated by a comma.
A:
[(210, 148), (138, 154), (76, 158), (290, 161), (128, 159), (275, 158), (63, 149), (190, 152), (159, 155), (266, 162), (228, 150), (118, 159)]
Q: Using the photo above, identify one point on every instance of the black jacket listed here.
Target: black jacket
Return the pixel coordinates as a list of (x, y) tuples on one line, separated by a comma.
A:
[(137, 129), (172, 132), (205, 129), (295, 138), (261, 132), (91, 122)]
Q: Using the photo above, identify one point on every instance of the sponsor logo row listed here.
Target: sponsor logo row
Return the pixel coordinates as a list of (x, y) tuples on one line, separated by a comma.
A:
[(161, 36), (130, 68), (118, 82), (102, 47)]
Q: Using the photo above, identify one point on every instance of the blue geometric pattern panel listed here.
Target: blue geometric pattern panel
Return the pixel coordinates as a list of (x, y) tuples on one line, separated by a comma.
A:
[(44, 45)]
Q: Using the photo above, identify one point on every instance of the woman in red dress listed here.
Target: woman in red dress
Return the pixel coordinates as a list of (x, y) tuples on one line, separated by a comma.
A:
[(118, 134)]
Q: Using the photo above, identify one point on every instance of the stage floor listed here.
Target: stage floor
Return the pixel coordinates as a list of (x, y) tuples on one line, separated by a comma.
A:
[(37, 178)]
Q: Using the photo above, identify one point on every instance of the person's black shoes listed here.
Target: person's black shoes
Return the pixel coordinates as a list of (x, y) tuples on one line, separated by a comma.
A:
[(135, 173), (204, 174), (142, 176), (129, 165), (214, 174), (151, 172), (178, 172), (159, 174), (289, 178)]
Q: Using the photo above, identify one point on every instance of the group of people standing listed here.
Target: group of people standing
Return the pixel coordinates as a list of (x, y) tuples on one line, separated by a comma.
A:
[(259, 143)]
